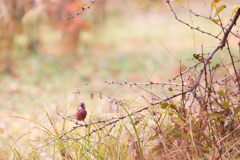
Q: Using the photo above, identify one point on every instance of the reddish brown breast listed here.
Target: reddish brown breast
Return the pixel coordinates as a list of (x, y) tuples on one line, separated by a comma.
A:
[(81, 114)]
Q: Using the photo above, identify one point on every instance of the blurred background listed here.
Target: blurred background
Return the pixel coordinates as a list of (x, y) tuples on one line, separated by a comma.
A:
[(45, 58)]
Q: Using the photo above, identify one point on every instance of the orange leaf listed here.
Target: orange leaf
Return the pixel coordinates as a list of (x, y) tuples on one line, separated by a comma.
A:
[(219, 9), (214, 4), (225, 21), (81, 6), (91, 95)]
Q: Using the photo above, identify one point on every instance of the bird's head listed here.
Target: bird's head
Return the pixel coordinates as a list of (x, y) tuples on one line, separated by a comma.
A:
[(81, 105)]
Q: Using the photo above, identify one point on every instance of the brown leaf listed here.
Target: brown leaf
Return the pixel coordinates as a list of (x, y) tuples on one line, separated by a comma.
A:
[(216, 66), (100, 95), (184, 96), (198, 57), (191, 81), (91, 95)]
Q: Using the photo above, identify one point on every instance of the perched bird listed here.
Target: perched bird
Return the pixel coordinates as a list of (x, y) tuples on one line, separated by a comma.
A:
[(81, 113)]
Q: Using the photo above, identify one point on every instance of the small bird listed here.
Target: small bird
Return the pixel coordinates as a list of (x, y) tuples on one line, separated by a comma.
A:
[(81, 113)]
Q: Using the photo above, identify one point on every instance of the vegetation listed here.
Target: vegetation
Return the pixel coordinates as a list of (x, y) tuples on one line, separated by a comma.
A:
[(194, 115)]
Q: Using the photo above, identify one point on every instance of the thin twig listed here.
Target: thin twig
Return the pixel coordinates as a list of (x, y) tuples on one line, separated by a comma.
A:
[(83, 9), (195, 28)]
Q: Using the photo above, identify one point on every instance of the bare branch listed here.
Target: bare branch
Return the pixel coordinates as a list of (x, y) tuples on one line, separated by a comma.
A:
[(220, 46)]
